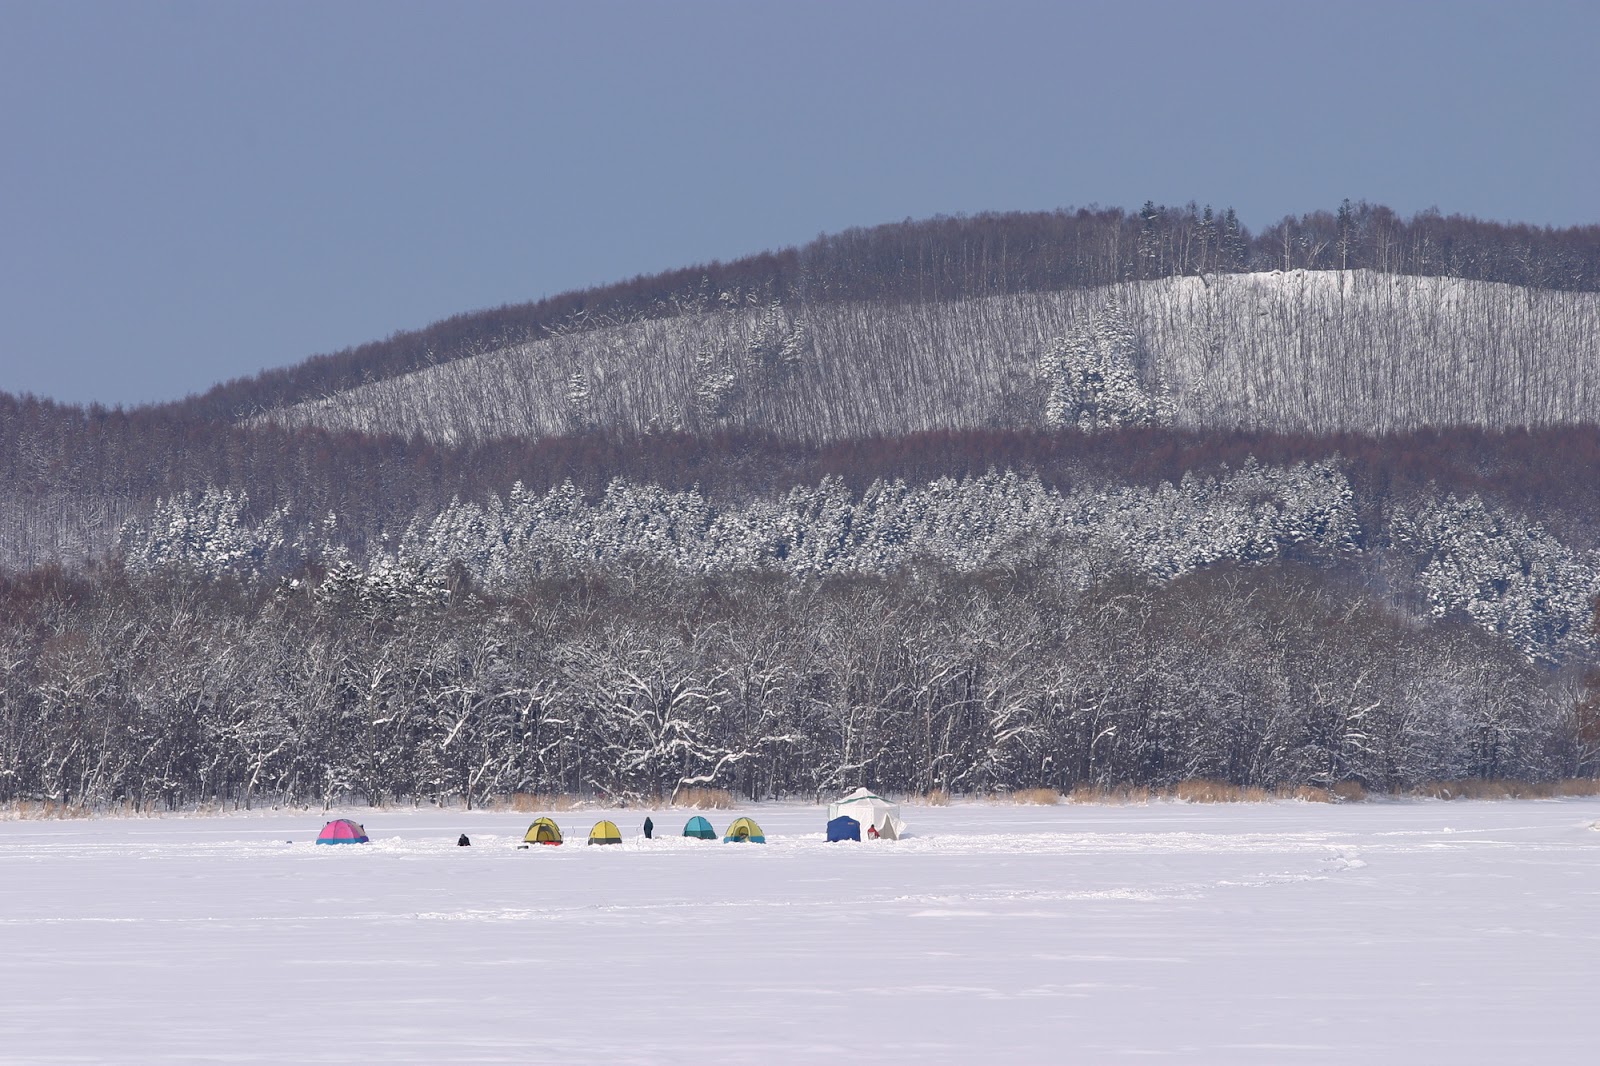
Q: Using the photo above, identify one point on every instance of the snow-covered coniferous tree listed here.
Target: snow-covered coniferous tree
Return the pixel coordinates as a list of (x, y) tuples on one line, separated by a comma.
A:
[(1505, 573), (1092, 378), (205, 533)]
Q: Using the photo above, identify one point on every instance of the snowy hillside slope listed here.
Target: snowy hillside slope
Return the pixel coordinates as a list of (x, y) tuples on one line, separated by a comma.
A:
[(1317, 351)]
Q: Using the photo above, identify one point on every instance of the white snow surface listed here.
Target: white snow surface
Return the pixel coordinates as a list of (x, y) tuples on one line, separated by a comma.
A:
[(1274, 933)]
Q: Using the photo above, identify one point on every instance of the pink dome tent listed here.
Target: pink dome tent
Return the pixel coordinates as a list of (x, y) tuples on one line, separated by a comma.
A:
[(342, 831)]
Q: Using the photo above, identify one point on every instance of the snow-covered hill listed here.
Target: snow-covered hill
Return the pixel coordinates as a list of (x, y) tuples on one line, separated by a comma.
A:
[(1313, 351)]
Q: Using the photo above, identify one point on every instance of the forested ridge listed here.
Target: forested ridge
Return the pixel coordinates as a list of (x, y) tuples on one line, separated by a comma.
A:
[(1304, 351), (954, 258), (1080, 498)]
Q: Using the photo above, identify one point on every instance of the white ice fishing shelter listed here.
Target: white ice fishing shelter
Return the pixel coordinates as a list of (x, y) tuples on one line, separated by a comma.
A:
[(872, 812)]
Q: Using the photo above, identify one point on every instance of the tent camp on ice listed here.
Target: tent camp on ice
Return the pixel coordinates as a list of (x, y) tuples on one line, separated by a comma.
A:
[(843, 827), (542, 831), (342, 831), (744, 831), (605, 833), (878, 817), (699, 828)]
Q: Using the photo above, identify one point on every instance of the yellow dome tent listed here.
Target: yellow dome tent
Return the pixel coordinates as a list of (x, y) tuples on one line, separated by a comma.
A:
[(744, 831), (543, 831), (605, 833)]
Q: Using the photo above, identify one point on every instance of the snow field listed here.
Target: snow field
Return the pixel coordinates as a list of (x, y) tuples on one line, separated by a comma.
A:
[(1244, 933)]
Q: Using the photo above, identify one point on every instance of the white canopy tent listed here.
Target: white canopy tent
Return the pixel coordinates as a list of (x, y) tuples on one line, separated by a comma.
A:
[(871, 811)]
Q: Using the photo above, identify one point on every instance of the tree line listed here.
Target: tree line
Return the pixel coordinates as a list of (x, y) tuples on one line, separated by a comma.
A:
[(178, 690), (70, 477)]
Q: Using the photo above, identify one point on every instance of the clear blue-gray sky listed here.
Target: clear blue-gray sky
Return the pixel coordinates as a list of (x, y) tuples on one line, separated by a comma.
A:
[(193, 191)]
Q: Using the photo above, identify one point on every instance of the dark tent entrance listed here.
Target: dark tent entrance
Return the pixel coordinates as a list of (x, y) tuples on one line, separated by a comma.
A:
[(744, 831)]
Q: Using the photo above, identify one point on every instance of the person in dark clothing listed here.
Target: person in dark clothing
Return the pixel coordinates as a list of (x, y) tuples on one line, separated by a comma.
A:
[(463, 842), (649, 827)]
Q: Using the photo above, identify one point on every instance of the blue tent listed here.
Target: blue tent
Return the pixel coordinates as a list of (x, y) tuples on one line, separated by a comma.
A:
[(844, 827), (700, 829)]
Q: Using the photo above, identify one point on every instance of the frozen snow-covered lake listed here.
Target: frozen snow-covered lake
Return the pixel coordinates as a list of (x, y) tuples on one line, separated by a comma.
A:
[(1417, 931)]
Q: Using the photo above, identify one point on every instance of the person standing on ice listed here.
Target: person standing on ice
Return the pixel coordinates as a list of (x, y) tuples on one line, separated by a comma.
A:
[(649, 827)]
